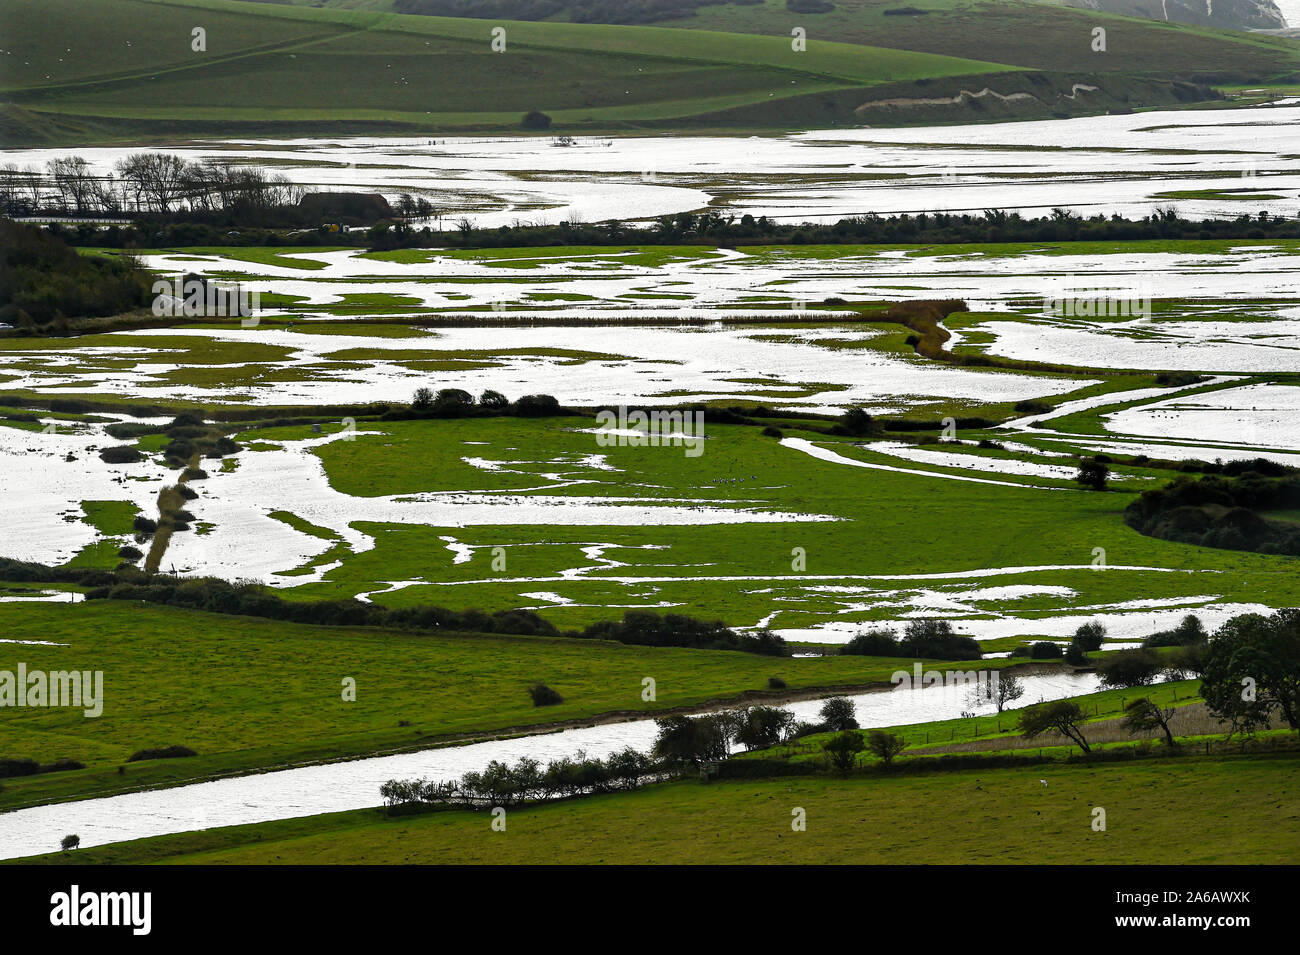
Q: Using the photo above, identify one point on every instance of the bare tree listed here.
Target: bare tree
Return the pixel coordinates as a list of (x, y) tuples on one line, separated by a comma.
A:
[(1001, 689)]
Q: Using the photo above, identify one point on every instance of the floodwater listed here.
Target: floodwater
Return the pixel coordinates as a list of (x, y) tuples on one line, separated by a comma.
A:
[(336, 787), (1099, 164)]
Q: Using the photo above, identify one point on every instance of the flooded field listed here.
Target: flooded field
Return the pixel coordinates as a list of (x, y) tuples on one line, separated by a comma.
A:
[(355, 784), (1103, 164)]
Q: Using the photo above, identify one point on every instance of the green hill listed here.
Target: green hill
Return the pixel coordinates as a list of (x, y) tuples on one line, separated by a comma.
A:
[(122, 69)]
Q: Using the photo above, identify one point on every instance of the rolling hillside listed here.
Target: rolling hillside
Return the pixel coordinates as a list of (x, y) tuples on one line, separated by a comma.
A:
[(124, 69)]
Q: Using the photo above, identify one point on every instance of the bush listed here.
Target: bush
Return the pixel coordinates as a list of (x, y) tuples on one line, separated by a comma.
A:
[(1128, 668), (873, 643), (843, 748), (1188, 632), (543, 695), (1045, 650), (775, 683), (535, 120), (1089, 637), (1093, 474), (936, 640), (161, 752), (18, 767), (885, 745), (120, 454), (537, 406)]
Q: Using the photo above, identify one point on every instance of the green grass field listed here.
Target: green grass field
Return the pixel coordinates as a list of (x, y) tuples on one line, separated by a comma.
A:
[(887, 523), (132, 60), (247, 693), (125, 68), (1186, 812)]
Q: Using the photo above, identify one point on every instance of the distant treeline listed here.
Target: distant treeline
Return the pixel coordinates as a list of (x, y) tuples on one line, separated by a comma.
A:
[(164, 187), (711, 229), (43, 281), (251, 599), (1217, 511)]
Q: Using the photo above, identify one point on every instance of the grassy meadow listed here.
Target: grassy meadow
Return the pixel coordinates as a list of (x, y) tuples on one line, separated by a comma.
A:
[(126, 68), (248, 693), (1169, 812)]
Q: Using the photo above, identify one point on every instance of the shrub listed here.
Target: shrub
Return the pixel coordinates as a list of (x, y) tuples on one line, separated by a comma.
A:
[(536, 406), (161, 752), (857, 421), (775, 683), (1045, 650), (935, 639), (120, 454), (873, 643), (18, 767), (885, 745), (543, 695), (843, 748), (1089, 637), (1128, 668), (535, 120), (1093, 474)]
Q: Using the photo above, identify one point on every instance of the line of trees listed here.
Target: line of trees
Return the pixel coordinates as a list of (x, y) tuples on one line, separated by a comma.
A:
[(252, 599), (501, 784), (157, 183), (717, 228)]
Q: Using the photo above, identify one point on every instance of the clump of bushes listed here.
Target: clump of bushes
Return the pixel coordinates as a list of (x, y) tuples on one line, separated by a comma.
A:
[(29, 767), (934, 639), (644, 628), (1222, 511)]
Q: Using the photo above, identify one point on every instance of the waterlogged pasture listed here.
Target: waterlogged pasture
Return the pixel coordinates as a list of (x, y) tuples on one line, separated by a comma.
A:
[(538, 514), (311, 790), (1211, 162), (412, 512)]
